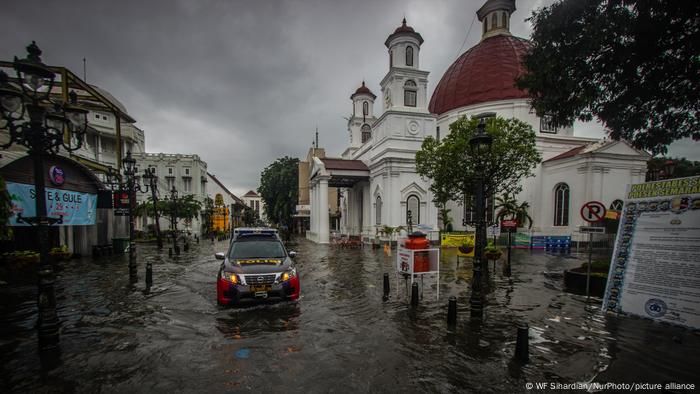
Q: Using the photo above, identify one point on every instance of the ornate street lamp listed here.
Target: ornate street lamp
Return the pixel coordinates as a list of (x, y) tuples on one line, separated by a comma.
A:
[(41, 124), (132, 186), (150, 176), (480, 145), (669, 167), (173, 219)]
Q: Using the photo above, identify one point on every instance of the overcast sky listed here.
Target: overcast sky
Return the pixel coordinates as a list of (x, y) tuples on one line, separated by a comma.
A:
[(241, 83)]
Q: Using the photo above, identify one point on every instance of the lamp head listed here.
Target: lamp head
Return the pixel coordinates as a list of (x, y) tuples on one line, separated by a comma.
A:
[(35, 77)]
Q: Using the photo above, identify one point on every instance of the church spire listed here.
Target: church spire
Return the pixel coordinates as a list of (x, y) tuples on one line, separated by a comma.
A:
[(495, 17)]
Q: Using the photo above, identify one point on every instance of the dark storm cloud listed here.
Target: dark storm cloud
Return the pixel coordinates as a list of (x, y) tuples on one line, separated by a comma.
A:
[(239, 82)]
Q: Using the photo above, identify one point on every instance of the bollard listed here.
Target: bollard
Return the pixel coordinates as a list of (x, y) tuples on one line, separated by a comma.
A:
[(187, 247), (386, 286), (197, 238), (452, 311), (177, 250), (414, 294), (170, 252), (149, 274), (522, 353)]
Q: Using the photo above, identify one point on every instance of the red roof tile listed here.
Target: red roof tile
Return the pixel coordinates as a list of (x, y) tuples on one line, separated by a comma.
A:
[(568, 153), (484, 73), (363, 90), (341, 164), (404, 29)]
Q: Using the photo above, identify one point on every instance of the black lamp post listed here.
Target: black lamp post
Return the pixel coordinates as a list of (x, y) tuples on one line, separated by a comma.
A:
[(669, 166), (173, 219), (44, 126), (151, 177), (132, 185), (480, 145)]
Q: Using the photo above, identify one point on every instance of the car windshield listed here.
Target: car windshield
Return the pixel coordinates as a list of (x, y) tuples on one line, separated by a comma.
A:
[(256, 249)]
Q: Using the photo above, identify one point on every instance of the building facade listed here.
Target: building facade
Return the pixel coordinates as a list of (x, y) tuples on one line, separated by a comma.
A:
[(376, 173), (256, 203), (186, 173)]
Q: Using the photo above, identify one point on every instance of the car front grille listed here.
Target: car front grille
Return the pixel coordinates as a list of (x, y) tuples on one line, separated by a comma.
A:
[(263, 279)]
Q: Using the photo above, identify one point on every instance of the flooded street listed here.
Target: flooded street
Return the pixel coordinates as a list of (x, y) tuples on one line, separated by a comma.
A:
[(339, 337)]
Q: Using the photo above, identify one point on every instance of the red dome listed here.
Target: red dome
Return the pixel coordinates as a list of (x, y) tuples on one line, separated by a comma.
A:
[(363, 90), (484, 73), (404, 29)]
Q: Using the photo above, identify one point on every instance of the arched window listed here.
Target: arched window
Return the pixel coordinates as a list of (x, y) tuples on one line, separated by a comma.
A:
[(413, 209), (485, 27), (409, 55), (616, 205), (378, 210), (366, 133), (391, 59), (410, 91), (504, 20), (494, 21), (365, 108), (561, 205)]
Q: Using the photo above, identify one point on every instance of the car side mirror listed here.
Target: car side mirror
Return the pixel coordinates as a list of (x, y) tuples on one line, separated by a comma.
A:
[(220, 256), (292, 254)]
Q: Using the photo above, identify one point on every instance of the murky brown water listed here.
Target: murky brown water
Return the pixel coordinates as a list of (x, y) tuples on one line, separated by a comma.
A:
[(340, 337)]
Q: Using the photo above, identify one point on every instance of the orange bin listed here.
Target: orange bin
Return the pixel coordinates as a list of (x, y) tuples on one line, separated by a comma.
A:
[(421, 260)]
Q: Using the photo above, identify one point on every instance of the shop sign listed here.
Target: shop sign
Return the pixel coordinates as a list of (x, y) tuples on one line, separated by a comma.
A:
[(75, 208)]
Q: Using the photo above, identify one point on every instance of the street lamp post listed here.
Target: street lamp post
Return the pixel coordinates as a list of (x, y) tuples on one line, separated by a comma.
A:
[(480, 145), (43, 126), (173, 219), (132, 185), (152, 178)]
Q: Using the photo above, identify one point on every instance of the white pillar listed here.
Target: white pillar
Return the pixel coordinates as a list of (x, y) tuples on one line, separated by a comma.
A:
[(314, 207), (324, 228)]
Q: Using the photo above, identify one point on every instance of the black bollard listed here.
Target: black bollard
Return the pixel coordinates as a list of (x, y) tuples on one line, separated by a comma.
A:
[(414, 294), (197, 238), (452, 311), (177, 250), (187, 247), (522, 352), (170, 252), (149, 274), (386, 286)]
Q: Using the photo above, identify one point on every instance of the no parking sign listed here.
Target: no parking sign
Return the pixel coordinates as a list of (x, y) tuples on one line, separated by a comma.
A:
[(593, 211)]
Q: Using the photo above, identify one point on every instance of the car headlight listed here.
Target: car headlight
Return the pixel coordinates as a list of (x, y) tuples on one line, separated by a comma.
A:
[(230, 277), (287, 275)]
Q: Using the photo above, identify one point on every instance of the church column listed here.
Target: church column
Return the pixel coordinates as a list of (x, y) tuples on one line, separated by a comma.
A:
[(324, 228), (314, 207)]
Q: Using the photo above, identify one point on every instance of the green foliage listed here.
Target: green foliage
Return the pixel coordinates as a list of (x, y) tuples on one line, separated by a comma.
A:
[(598, 266), (682, 167), (491, 248), (250, 216), (5, 211), (184, 208), (508, 208), (279, 189), (59, 249), (633, 64), (453, 164), (445, 218)]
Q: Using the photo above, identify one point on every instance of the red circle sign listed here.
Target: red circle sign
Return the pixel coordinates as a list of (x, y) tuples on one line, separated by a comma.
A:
[(593, 211)]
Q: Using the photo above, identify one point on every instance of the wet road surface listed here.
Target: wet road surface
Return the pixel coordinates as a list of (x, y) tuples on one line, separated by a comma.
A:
[(340, 336)]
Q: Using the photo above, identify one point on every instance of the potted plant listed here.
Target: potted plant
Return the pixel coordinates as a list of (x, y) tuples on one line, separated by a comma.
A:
[(467, 247), (492, 252), (60, 253)]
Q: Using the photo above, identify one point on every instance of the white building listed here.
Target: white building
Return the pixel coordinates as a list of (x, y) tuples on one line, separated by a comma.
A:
[(255, 202), (187, 173), (377, 170)]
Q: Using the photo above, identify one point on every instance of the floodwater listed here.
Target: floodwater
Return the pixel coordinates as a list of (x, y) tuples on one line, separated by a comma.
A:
[(339, 337)]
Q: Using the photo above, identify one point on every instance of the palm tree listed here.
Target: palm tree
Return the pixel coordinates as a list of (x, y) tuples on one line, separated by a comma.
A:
[(508, 208)]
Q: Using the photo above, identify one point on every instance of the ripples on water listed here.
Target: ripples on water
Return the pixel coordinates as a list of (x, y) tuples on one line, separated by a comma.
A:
[(339, 337)]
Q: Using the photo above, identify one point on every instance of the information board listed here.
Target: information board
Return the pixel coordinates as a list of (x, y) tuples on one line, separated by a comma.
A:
[(655, 267)]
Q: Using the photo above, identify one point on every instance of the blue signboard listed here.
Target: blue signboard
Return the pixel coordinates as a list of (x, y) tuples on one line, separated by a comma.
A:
[(76, 208)]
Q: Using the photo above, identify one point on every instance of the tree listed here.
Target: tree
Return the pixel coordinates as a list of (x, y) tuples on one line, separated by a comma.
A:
[(682, 167), (186, 208), (508, 208), (633, 64), (250, 216), (208, 217), (279, 189), (454, 164), (436, 168)]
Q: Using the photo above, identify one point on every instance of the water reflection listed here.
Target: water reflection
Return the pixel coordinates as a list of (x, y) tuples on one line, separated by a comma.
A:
[(339, 336)]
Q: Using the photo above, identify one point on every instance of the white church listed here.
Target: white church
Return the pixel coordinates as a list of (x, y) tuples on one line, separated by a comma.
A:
[(376, 173)]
